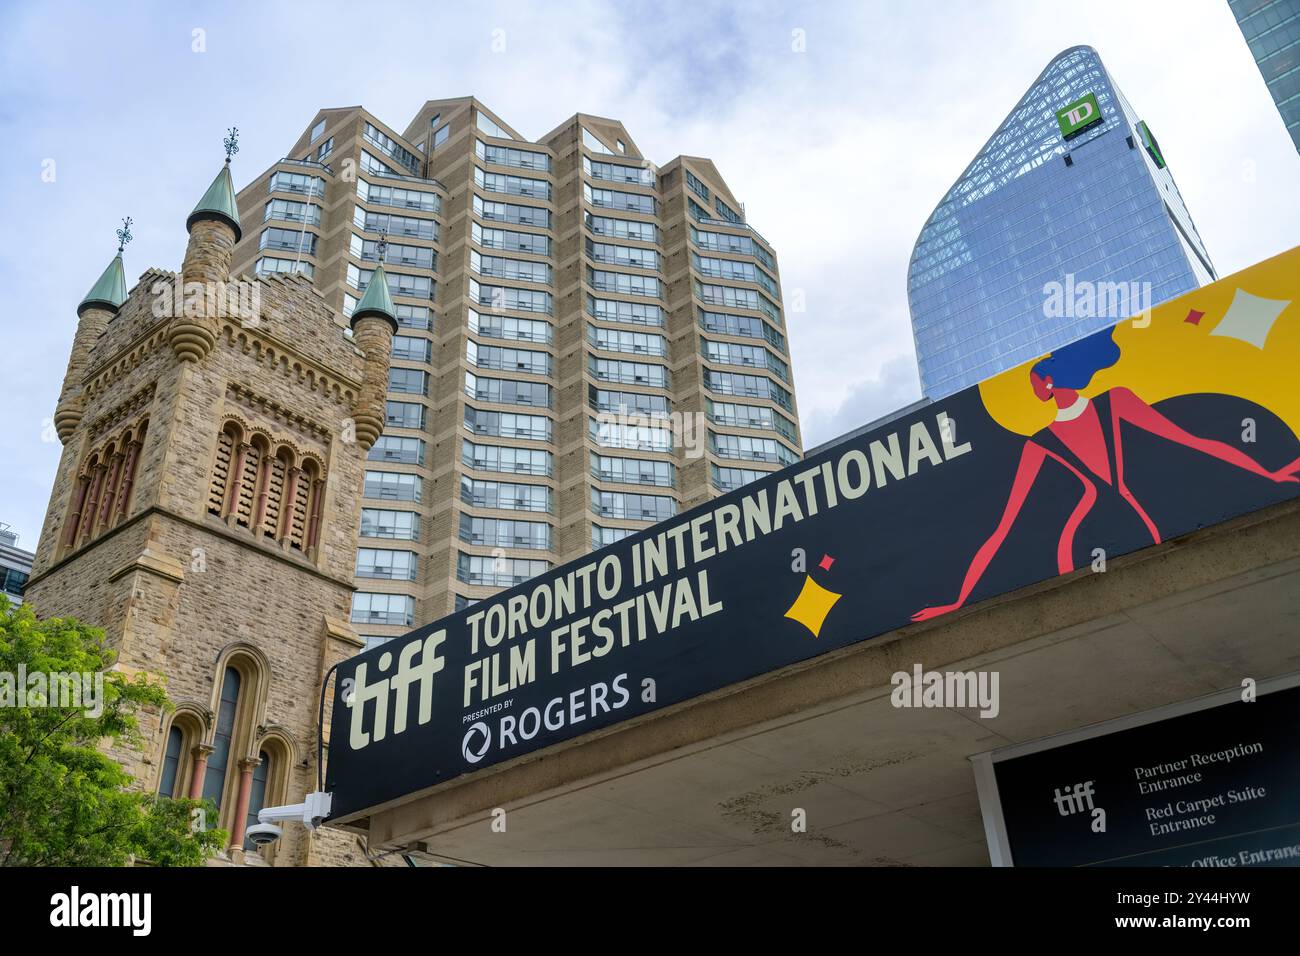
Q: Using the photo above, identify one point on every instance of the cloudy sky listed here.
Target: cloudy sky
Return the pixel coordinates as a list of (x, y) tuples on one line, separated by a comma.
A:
[(840, 145)]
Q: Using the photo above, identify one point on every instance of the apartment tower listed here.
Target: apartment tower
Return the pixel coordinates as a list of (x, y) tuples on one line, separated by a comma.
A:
[(588, 342)]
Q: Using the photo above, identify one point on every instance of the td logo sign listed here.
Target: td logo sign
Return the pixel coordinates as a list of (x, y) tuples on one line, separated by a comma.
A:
[(1078, 116)]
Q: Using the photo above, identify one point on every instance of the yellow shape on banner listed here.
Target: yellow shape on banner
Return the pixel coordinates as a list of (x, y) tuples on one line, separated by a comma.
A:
[(812, 605)]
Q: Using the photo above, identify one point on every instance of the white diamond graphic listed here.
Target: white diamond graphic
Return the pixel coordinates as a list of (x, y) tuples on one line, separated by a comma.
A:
[(1250, 318)]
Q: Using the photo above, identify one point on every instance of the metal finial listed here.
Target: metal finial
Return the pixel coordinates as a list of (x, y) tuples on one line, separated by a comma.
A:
[(231, 142), (381, 250), (124, 235)]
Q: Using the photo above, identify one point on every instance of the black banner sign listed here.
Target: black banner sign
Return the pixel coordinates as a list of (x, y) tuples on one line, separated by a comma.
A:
[(1148, 430)]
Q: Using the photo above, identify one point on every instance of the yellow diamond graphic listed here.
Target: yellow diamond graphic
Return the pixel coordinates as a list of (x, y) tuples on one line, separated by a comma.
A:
[(812, 605)]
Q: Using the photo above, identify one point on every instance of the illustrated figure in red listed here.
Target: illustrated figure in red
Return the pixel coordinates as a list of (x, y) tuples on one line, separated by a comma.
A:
[(1082, 439)]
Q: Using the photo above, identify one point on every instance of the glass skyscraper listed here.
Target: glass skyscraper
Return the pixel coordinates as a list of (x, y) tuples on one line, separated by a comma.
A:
[(1272, 31), (1071, 191)]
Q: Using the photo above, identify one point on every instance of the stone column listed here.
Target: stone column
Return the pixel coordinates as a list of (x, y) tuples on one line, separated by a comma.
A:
[(92, 502), (128, 478), (235, 480), (240, 822), (289, 504), (200, 753), (313, 524), (74, 516), (110, 491)]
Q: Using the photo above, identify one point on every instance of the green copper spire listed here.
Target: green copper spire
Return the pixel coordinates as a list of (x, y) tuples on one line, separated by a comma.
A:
[(110, 291), (377, 301), (219, 201)]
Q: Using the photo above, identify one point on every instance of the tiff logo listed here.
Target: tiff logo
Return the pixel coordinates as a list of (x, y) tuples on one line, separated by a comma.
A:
[(359, 690), (73, 909), (1076, 800)]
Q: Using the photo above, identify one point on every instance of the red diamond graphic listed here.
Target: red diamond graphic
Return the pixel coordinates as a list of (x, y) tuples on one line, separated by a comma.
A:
[(826, 562), (1194, 317)]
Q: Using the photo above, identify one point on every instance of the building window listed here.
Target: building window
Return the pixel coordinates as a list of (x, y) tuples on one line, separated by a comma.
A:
[(317, 131), (398, 448), (290, 210), (257, 794), (392, 486), (171, 762), (398, 525), (214, 780), (497, 572), (284, 181), (696, 186), (269, 266), (386, 564), (489, 127), (593, 143), (396, 609), (506, 458), (398, 196)]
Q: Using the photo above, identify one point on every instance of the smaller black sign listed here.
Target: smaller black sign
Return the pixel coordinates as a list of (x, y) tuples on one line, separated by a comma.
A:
[(1218, 787)]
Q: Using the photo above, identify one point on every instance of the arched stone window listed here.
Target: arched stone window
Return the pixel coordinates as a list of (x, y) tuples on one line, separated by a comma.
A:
[(313, 478), (183, 751), (250, 490), (239, 703), (101, 492), (269, 785), (173, 755), (274, 483), (216, 781), (229, 441), (256, 794)]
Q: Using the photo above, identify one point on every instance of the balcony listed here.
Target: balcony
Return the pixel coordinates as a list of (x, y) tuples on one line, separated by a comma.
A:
[(286, 161), (624, 478), (490, 579)]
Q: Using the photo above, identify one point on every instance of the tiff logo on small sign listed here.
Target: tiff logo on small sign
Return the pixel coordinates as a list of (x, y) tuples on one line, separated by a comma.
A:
[(73, 909)]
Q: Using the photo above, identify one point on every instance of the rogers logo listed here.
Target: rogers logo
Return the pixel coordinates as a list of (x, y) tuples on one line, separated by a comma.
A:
[(467, 750), (559, 713)]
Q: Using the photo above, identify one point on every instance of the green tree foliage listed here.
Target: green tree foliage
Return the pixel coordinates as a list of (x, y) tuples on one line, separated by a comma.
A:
[(63, 801)]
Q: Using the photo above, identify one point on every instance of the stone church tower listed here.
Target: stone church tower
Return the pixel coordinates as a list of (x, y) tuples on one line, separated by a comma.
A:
[(204, 514)]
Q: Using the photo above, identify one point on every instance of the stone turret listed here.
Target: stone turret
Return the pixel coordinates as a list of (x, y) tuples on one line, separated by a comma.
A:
[(204, 516), (373, 326), (214, 229), (94, 313)]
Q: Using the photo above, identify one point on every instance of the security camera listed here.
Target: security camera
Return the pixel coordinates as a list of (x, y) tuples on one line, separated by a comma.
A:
[(311, 814), (263, 834)]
